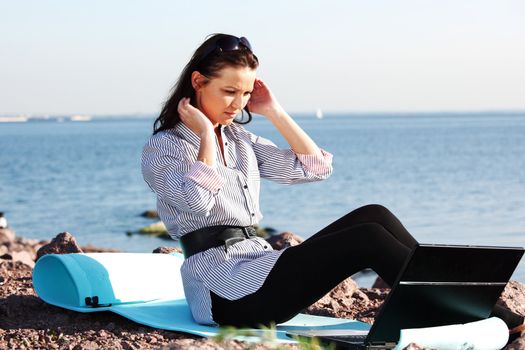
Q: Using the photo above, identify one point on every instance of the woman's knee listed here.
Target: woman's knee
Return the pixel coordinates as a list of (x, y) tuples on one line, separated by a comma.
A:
[(376, 241), (373, 229), (366, 231), (376, 210)]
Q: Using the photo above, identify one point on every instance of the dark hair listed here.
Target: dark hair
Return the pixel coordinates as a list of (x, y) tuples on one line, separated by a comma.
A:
[(208, 62)]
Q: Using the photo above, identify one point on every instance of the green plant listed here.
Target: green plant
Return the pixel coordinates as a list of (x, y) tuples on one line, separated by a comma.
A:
[(266, 336)]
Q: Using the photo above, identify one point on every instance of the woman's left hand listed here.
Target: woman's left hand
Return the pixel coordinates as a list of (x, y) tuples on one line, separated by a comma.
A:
[(262, 100)]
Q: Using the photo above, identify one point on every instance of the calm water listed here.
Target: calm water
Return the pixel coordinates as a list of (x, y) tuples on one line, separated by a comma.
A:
[(450, 179)]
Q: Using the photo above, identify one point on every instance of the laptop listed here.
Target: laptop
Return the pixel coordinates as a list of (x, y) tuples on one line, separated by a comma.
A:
[(438, 285)]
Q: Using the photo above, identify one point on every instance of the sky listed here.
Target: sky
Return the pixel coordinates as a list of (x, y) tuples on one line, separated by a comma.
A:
[(123, 57)]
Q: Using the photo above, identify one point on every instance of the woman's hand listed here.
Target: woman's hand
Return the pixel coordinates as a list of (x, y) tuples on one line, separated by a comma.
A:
[(262, 100), (193, 118)]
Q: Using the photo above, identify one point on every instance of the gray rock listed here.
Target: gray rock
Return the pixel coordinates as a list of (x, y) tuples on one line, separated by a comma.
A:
[(513, 297), (284, 240), (167, 250), (6, 256), (126, 345), (152, 214), (63, 243), (3, 249), (337, 301), (7, 236), (24, 257), (518, 344), (93, 249)]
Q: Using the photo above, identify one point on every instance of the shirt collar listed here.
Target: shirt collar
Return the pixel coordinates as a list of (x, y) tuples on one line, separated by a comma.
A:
[(187, 134)]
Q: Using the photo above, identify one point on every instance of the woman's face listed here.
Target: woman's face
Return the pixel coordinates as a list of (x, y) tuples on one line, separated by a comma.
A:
[(223, 97)]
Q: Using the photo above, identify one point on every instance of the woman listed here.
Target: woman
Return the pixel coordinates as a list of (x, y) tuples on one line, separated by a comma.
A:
[(206, 169)]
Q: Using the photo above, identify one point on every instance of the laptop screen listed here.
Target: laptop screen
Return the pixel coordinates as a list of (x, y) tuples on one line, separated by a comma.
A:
[(442, 285)]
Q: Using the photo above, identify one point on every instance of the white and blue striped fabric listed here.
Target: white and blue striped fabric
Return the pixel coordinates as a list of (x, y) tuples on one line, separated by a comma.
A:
[(192, 195)]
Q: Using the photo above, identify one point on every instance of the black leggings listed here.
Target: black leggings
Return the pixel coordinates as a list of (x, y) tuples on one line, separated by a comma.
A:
[(368, 237)]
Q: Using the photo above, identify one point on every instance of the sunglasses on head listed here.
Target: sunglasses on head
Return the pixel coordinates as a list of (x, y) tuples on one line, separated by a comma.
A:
[(229, 43)]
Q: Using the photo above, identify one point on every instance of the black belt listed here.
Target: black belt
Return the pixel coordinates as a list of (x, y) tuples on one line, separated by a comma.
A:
[(214, 236)]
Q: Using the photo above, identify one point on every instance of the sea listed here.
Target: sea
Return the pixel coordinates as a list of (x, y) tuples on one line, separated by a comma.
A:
[(451, 178)]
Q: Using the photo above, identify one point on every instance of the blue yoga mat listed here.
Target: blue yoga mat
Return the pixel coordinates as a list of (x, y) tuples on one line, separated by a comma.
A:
[(144, 287)]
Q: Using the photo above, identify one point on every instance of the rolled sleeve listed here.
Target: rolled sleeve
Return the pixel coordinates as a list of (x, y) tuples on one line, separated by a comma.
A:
[(320, 166)]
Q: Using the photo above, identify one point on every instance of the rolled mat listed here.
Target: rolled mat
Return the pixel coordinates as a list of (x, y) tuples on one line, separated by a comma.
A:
[(146, 288)]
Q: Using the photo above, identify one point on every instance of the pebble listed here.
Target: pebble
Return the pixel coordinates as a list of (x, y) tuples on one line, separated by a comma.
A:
[(151, 339), (128, 346)]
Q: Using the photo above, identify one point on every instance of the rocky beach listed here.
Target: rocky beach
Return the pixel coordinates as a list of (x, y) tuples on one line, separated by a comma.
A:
[(27, 322)]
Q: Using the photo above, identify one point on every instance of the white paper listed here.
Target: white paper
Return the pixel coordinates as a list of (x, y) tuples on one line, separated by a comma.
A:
[(489, 334)]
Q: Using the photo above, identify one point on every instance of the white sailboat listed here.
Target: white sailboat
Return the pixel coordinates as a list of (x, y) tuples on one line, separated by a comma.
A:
[(80, 118), (319, 113)]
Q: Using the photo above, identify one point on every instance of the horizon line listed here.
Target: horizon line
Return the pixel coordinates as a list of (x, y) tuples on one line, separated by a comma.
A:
[(333, 112)]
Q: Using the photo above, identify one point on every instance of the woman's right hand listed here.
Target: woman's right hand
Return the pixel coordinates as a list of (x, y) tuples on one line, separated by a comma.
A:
[(193, 118)]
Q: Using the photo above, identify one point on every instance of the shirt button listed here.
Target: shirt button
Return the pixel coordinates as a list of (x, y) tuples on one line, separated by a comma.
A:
[(245, 186), (226, 144), (265, 247), (253, 214)]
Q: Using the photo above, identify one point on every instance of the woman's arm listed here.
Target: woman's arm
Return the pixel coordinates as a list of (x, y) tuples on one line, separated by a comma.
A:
[(264, 102), (298, 140), (304, 162)]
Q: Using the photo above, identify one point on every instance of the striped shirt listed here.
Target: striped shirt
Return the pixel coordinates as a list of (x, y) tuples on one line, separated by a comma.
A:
[(192, 195)]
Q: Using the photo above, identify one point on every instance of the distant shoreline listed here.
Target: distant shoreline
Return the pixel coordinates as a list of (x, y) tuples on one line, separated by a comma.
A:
[(20, 117)]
